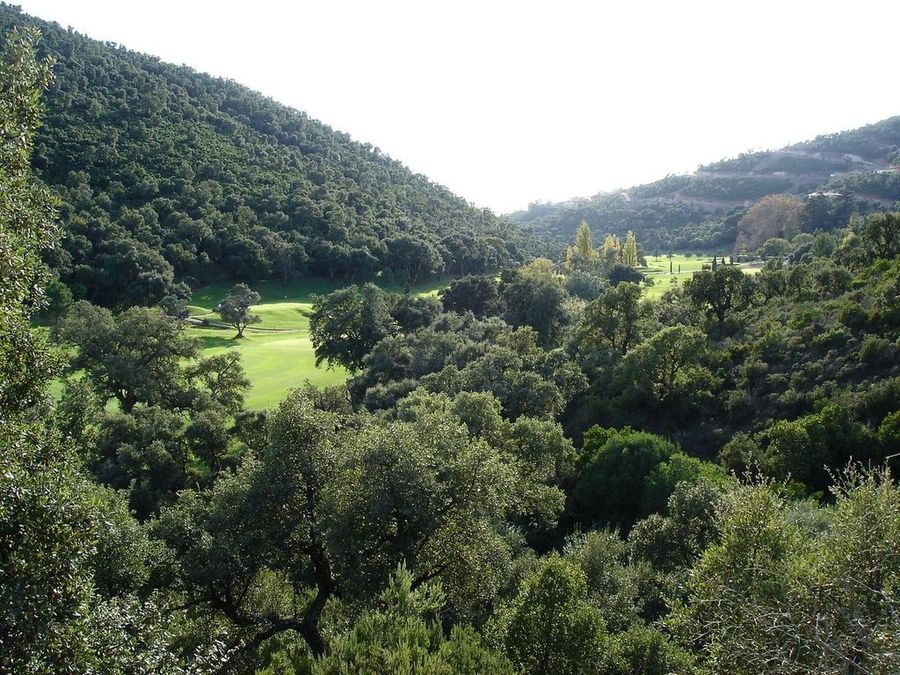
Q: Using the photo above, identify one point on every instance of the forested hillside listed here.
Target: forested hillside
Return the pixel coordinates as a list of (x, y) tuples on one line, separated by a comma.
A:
[(542, 471), (853, 172), (167, 174)]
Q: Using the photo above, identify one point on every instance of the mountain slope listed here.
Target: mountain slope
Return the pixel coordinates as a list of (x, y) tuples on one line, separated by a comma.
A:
[(856, 170), (165, 173)]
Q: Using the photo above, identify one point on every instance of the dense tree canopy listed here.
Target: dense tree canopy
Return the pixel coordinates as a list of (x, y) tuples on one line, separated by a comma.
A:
[(164, 173), (542, 471)]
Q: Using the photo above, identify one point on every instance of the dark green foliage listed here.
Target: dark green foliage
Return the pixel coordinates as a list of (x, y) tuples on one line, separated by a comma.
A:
[(645, 650), (810, 448), (345, 325), (235, 308), (264, 541), (46, 526), (624, 274), (881, 233), (27, 226), (477, 294), (413, 312), (404, 635), (536, 301), (719, 291), (460, 354), (72, 559), (673, 541), (612, 321), (142, 356), (612, 467), (829, 583), (612, 584), (584, 285), (167, 173), (333, 503), (550, 627)]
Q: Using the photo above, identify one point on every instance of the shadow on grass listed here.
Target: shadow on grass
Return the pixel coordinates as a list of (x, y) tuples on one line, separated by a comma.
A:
[(210, 341), (272, 291)]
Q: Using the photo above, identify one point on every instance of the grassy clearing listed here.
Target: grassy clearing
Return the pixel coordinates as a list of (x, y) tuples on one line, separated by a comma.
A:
[(683, 268), (277, 353), (274, 361)]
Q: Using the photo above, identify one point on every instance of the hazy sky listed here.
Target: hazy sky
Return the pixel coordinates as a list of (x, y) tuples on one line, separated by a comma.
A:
[(511, 102)]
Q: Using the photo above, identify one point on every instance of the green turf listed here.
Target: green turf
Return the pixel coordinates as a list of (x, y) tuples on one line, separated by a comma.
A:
[(296, 291), (273, 361), (658, 270), (276, 352)]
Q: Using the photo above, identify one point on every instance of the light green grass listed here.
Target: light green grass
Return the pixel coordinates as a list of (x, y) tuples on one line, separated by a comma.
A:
[(296, 291), (273, 361), (658, 270), (277, 354)]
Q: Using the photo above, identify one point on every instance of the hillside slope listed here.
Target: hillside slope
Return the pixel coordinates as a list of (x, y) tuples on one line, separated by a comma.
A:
[(166, 174), (854, 171)]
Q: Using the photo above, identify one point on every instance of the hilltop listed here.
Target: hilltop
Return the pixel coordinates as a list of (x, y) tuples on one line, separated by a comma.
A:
[(843, 173), (165, 174)]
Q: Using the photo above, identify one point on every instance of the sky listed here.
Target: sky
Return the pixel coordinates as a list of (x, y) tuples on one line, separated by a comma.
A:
[(507, 103)]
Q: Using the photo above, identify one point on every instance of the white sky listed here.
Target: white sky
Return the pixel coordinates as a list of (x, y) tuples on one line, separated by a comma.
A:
[(508, 102)]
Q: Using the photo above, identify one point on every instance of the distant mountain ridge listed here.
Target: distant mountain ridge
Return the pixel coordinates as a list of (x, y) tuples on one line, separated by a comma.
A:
[(167, 174), (860, 169)]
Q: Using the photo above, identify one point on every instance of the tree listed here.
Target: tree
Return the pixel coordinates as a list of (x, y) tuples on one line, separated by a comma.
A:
[(26, 226), (612, 321), (668, 368), (331, 506), (611, 470), (235, 308), (135, 356), (62, 606), (719, 291), (772, 216), (550, 627), (612, 249), (345, 325), (405, 635), (881, 232), (416, 259), (584, 285), (584, 243), (619, 274), (537, 301), (776, 595), (412, 312), (477, 294), (630, 251)]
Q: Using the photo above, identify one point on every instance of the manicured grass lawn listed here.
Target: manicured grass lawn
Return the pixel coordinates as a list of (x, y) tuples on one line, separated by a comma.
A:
[(277, 354), (273, 361), (658, 270)]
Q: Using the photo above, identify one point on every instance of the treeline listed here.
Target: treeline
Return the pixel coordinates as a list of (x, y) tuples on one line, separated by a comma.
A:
[(536, 474), (165, 175), (699, 211)]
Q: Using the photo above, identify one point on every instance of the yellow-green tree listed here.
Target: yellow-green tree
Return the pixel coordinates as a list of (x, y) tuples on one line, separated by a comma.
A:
[(612, 249), (629, 251), (584, 242)]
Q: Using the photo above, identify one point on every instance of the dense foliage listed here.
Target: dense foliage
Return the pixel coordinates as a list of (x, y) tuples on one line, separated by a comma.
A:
[(854, 171), (541, 473), (166, 174)]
